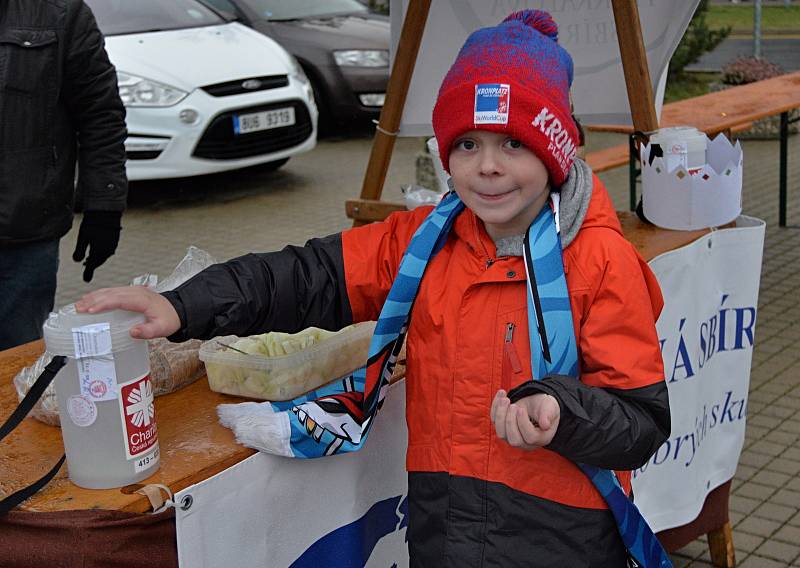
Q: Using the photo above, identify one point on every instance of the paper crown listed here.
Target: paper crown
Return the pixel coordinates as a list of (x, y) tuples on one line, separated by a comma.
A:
[(710, 196)]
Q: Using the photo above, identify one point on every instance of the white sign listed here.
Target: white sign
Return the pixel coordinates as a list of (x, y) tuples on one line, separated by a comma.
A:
[(343, 510), (586, 30), (706, 331), (97, 373)]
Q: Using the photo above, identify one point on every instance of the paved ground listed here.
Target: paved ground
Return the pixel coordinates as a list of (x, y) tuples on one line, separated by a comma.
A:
[(228, 215), (233, 213), (782, 48), (783, 51)]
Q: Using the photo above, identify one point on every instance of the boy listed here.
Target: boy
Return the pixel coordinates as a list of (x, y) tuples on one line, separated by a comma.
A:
[(491, 482)]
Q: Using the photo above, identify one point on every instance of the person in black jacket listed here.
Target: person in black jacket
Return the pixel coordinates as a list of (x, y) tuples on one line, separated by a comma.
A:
[(59, 106)]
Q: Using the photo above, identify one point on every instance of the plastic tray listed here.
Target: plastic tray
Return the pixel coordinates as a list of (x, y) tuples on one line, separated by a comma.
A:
[(287, 376)]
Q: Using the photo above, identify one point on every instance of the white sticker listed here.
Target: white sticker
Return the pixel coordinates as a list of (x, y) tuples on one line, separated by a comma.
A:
[(92, 340), (82, 410), (492, 102), (98, 377), (677, 155), (147, 461)]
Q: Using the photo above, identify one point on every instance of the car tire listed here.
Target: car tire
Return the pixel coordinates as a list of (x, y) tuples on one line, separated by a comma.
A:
[(325, 119)]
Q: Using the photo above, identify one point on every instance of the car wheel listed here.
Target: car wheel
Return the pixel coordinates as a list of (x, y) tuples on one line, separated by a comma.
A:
[(325, 119), (272, 166)]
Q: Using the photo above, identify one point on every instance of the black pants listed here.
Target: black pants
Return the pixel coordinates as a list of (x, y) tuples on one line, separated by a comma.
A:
[(463, 522), (27, 290)]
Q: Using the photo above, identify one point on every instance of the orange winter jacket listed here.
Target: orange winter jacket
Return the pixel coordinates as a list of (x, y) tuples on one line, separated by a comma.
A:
[(469, 337), (473, 500)]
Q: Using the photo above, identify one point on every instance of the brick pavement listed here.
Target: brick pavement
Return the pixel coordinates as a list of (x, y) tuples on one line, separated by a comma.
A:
[(231, 214)]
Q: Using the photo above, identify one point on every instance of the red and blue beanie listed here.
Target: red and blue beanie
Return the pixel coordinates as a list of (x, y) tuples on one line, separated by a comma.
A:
[(514, 79)]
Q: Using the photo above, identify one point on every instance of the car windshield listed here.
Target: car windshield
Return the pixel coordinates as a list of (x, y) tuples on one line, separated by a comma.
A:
[(295, 9), (117, 17)]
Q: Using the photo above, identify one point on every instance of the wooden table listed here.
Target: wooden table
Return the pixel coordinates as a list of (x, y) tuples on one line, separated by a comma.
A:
[(194, 446), (726, 111)]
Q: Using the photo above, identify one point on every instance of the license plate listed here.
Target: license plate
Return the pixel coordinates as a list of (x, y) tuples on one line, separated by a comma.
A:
[(264, 120)]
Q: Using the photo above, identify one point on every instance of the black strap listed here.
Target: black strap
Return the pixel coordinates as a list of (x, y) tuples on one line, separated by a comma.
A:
[(536, 300), (16, 498), (34, 394), (30, 399)]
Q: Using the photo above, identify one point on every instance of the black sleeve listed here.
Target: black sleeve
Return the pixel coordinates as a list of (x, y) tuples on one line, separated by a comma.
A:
[(607, 428), (288, 291), (91, 95)]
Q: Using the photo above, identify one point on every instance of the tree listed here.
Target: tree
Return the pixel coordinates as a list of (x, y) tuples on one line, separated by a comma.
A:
[(697, 40)]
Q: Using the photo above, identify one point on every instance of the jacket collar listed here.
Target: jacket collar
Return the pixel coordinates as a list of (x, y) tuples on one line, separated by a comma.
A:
[(470, 229)]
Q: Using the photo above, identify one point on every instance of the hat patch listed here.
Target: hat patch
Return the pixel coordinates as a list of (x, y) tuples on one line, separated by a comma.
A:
[(492, 101)]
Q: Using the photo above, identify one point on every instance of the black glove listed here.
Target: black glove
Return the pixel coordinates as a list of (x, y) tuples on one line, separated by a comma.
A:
[(100, 233)]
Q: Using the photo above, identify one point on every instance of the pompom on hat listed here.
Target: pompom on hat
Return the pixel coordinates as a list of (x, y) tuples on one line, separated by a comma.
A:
[(513, 78)]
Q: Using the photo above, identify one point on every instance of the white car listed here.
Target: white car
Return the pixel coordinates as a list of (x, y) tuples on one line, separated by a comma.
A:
[(203, 95)]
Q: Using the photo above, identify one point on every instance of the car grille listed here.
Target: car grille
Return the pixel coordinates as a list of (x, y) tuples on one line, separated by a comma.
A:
[(220, 143), (237, 87)]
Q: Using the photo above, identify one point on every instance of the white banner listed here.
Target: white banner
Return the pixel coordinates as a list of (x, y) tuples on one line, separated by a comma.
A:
[(706, 331), (346, 511), (586, 29)]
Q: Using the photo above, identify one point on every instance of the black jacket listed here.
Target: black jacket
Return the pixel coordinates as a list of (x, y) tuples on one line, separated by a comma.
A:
[(58, 102)]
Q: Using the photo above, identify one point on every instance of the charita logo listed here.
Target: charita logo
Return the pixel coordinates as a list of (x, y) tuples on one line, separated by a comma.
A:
[(561, 144), (492, 102)]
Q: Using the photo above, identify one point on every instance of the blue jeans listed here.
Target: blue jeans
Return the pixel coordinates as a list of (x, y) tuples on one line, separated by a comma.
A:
[(27, 290)]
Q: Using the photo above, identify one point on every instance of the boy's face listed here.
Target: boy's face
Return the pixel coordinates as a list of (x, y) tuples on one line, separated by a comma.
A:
[(501, 180)]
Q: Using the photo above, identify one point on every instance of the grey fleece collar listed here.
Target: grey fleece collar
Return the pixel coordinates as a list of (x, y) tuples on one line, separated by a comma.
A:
[(575, 196)]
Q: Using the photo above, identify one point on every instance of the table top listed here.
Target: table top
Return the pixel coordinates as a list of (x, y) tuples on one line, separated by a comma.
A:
[(194, 446), (722, 110)]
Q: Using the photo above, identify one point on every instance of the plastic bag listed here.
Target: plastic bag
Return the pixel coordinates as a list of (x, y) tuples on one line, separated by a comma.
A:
[(46, 409), (195, 260), (415, 196), (172, 365)]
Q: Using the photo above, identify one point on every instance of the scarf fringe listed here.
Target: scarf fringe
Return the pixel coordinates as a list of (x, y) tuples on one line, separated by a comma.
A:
[(257, 426)]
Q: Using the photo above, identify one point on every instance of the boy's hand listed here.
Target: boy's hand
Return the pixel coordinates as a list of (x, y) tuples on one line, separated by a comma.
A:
[(529, 423), (161, 319)]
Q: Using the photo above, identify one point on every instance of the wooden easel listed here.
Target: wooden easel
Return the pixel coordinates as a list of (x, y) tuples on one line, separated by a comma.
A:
[(369, 207)]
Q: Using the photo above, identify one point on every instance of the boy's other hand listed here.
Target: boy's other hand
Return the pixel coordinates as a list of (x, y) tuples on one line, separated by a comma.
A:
[(529, 423), (161, 319)]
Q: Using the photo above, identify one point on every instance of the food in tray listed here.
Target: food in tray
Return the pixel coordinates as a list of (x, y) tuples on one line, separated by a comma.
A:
[(275, 344), (282, 366)]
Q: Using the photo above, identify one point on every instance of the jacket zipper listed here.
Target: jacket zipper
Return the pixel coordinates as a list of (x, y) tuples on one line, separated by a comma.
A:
[(509, 349)]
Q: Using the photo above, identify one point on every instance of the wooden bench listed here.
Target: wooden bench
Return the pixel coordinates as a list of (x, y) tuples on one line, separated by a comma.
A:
[(728, 111)]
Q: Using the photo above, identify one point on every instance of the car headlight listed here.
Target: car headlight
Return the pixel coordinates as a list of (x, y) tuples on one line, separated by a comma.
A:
[(140, 92), (296, 71), (362, 58)]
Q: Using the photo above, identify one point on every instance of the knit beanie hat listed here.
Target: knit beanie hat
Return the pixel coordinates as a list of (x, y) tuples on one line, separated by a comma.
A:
[(514, 79)]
